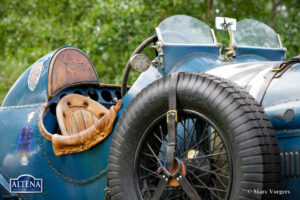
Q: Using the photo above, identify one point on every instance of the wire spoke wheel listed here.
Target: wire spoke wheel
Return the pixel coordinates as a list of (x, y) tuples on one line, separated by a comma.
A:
[(225, 144), (202, 150)]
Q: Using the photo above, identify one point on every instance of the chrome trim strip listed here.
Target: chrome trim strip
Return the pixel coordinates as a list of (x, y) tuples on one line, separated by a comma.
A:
[(279, 40), (21, 106), (213, 36)]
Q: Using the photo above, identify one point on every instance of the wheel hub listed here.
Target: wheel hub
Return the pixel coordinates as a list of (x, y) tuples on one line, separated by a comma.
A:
[(178, 167)]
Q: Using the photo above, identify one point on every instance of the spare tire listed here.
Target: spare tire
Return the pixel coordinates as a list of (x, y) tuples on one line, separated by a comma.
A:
[(226, 146)]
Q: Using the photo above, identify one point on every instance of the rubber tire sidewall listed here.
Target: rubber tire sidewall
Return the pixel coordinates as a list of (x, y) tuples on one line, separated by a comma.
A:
[(152, 102)]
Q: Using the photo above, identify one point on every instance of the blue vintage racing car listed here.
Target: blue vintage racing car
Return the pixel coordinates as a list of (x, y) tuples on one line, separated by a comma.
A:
[(196, 124)]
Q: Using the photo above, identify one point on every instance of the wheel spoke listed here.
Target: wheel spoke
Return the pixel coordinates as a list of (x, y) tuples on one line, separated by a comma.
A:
[(157, 159), (217, 189), (205, 129), (162, 139), (208, 171), (152, 172), (212, 172), (194, 130), (189, 136), (153, 158), (158, 138), (214, 143), (219, 167), (206, 187), (198, 143)]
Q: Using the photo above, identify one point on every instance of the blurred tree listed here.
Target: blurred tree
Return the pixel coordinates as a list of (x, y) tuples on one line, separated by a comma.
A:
[(108, 31)]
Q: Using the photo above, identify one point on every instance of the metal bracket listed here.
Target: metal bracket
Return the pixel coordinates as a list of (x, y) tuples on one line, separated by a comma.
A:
[(277, 69), (231, 52), (107, 189), (159, 48)]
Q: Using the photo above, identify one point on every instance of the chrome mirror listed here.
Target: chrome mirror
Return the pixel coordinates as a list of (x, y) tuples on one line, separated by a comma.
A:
[(224, 23)]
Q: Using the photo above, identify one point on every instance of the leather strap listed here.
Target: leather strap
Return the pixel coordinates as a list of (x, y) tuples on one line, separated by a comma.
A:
[(171, 147), (287, 65), (262, 91), (187, 187), (276, 72), (159, 189), (171, 121)]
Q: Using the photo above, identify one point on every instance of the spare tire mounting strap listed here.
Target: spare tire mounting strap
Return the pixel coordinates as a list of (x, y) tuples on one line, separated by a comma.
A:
[(171, 121)]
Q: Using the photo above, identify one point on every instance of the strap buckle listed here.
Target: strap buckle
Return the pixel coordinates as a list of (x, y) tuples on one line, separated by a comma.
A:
[(277, 69), (176, 115)]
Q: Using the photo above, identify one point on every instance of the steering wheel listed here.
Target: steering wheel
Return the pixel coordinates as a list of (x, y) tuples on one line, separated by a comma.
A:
[(139, 49), (143, 45)]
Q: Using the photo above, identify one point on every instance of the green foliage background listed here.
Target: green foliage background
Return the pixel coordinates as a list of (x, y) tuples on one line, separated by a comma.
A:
[(108, 31)]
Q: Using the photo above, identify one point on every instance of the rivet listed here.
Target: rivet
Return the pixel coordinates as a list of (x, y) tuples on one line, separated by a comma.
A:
[(166, 179)]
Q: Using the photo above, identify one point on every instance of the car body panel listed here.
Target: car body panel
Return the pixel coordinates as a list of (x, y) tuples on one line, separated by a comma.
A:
[(84, 175)]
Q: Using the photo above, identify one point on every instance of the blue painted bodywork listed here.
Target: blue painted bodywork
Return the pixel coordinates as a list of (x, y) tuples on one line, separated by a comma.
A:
[(267, 53), (84, 175), (20, 94), (76, 176), (203, 56)]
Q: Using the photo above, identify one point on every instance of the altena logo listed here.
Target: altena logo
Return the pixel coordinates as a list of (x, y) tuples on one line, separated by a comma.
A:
[(26, 184)]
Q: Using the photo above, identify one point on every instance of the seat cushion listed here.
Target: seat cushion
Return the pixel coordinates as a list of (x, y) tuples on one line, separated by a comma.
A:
[(76, 113)]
